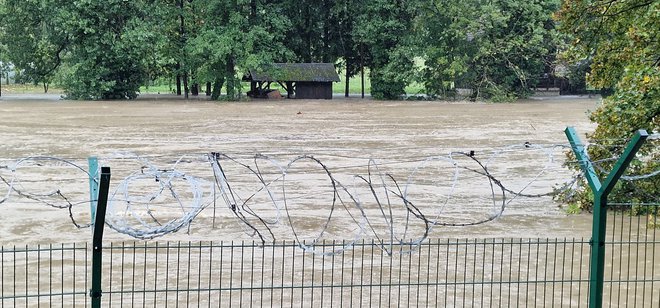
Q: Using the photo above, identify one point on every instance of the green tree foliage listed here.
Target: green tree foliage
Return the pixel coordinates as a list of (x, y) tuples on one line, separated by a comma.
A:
[(110, 46), (620, 38), (35, 37), (167, 50), (495, 48), (3, 48), (347, 47), (313, 32), (235, 36), (107, 49), (385, 28)]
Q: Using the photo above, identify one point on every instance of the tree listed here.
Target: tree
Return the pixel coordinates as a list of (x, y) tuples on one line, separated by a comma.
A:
[(35, 37), (161, 61), (347, 47), (3, 47), (620, 38), (110, 44), (385, 29), (495, 48), (231, 40), (312, 34)]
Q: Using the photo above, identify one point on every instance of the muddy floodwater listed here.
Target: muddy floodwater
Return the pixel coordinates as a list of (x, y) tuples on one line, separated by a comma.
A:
[(522, 143)]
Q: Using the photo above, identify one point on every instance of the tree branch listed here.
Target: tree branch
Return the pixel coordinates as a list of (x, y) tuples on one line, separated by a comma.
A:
[(629, 9)]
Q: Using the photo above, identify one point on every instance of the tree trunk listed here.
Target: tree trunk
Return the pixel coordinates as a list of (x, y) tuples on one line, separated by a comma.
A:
[(308, 35), (326, 33), (346, 92), (185, 85), (45, 87), (289, 89), (178, 82), (362, 70), (182, 42), (208, 88), (194, 90), (217, 88), (231, 81)]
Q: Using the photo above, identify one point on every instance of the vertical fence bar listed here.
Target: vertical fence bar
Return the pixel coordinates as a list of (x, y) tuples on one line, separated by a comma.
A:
[(97, 241), (600, 192)]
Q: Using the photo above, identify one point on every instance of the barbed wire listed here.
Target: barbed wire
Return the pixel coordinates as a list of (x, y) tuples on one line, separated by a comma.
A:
[(262, 193), (122, 216), (13, 185), (602, 164)]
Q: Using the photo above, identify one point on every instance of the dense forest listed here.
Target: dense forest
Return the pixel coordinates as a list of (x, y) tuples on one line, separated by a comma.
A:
[(496, 49), (107, 49)]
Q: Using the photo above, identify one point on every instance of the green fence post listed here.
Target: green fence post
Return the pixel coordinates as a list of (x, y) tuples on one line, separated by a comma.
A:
[(601, 192), (97, 241), (93, 164)]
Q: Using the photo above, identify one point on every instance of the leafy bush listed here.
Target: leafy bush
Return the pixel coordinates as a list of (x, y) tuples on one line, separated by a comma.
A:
[(626, 59)]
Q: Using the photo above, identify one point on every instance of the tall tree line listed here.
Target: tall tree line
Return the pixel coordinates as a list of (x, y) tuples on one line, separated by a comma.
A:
[(108, 49)]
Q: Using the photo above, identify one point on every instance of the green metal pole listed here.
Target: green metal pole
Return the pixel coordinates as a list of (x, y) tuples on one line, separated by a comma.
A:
[(97, 241), (596, 272), (597, 262), (601, 192), (583, 159), (93, 163)]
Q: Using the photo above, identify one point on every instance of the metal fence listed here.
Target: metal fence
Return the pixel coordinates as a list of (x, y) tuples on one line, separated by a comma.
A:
[(44, 275), (632, 258), (441, 272), (448, 272)]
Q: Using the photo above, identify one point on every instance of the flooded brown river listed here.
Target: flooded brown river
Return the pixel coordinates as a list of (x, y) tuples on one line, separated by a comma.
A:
[(409, 142)]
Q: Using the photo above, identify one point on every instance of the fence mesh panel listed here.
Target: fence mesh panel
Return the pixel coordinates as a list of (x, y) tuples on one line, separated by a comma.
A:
[(439, 272), (448, 272), (632, 258), (45, 275)]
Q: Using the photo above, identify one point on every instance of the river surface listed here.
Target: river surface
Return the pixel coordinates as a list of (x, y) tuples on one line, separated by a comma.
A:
[(371, 151)]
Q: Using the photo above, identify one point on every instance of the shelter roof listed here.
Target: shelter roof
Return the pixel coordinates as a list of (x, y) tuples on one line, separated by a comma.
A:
[(319, 72)]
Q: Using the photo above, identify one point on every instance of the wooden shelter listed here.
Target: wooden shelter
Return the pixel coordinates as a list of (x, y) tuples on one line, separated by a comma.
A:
[(300, 80)]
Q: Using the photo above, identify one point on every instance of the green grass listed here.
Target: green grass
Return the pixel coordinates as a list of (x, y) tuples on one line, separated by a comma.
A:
[(156, 89), (354, 86), (28, 89), (337, 88)]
